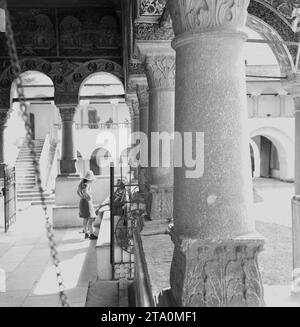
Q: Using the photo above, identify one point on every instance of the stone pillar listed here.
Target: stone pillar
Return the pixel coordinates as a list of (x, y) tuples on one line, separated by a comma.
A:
[(255, 98), (68, 152), (143, 98), (3, 119), (216, 246), (292, 85), (160, 72)]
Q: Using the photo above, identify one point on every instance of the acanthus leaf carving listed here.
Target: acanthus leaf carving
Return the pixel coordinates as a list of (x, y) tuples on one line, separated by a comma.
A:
[(196, 16), (160, 71)]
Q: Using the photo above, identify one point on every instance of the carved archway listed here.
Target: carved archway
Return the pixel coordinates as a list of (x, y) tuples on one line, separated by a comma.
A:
[(83, 71)]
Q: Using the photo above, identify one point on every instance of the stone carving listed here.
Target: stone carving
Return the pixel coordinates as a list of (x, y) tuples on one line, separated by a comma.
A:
[(151, 7), (284, 7), (160, 71), (67, 113), (196, 16), (162, 203), (135, 68), (142, 92), (216, 274), (149, 31), (67, 76)]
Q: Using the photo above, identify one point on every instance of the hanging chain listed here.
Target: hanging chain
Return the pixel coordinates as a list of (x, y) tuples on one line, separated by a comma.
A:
[(16, 71)]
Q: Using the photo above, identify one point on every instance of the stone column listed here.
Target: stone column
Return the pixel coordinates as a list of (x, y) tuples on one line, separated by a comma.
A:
[(68, 152), (292, 85), (143, 98), (3, 119), (216, 246), (160, 72)]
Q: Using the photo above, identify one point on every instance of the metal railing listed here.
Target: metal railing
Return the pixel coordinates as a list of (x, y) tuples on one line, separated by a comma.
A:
[(98, 126)]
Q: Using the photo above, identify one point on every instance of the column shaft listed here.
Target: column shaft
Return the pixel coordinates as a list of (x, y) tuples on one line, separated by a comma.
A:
[(216, 246), (68, 156)]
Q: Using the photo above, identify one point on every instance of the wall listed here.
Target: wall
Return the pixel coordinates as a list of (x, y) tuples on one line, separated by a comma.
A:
[(44, 118)]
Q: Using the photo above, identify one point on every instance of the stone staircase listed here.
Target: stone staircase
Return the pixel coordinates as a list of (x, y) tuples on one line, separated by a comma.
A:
[(26, 188)]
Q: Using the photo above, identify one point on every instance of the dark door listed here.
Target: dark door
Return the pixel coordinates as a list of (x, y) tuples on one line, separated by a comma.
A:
[(32, 125), (9, 191), (265, 157)]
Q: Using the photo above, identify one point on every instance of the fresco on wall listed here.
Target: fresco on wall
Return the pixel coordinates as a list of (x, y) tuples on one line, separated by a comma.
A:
[(65, 32)]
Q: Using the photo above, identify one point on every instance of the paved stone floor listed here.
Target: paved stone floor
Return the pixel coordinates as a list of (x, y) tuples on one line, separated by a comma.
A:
[(30, 276)]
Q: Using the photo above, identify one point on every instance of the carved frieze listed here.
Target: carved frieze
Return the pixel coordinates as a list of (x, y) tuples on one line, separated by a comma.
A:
[(150, 31), (67, 76), (135, 68), (151, 7), (160, 71), (216, 274), (196, 16)]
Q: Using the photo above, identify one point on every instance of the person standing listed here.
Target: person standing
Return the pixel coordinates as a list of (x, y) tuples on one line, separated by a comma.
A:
[(86, 207)]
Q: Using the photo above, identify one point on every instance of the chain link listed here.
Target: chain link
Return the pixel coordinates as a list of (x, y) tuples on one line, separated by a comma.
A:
[(16, 71)]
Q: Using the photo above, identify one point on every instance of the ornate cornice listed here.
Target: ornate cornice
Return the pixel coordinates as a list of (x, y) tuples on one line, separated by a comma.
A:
[(198, 16), (160, 71), (67, 113)]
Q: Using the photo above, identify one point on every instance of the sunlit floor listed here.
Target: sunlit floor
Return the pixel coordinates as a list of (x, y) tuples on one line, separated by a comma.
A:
[(30, 277)]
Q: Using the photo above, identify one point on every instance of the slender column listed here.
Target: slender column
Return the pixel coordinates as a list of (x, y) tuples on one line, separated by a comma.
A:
[(143, 98), (216, 247), (160, 72), (3, 119), (255, 98), (68, 155), (292, 85)]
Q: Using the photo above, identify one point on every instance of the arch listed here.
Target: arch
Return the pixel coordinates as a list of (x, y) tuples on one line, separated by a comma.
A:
[(29, 64), (84, 71), (96, 161), (284, 146), (256, 155), (268, 32)]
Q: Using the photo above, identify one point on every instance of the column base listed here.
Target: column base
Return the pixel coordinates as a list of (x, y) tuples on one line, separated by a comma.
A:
[(162, 202), (217, 273), (296, 245), (68, 167)]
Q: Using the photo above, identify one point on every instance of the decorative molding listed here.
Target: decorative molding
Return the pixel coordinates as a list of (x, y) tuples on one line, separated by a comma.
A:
[(151, 7), (198, 16), (67, 76), (160, 71), (221, 273), (150, 31), (284, 7), (135, 68)]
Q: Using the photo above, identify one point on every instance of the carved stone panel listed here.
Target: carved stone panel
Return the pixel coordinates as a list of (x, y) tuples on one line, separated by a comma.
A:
[(216, 273)]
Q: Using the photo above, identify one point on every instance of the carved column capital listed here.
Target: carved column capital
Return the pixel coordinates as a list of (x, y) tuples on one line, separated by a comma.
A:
[(160, 71), (67, 113), (190, 16)]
